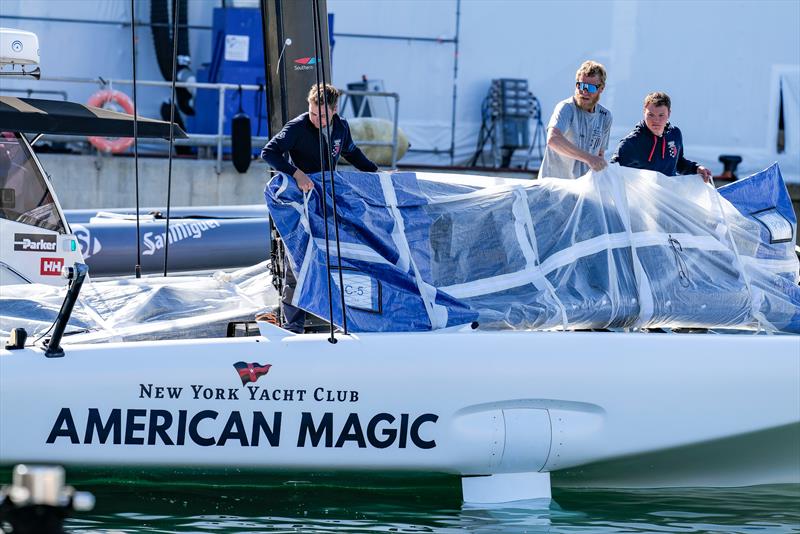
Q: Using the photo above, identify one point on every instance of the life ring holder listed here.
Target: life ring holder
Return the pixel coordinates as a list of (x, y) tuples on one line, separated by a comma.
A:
[(102, 99)]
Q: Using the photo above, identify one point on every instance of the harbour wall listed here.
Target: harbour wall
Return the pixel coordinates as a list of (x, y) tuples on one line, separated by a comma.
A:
[(89, 181)]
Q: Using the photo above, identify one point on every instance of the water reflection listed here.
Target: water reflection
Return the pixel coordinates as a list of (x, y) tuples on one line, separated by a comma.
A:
[(436, 508)]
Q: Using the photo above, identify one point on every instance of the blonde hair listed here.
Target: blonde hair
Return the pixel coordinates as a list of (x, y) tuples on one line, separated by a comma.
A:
[(326, 94), (592, 68), (658, 99)]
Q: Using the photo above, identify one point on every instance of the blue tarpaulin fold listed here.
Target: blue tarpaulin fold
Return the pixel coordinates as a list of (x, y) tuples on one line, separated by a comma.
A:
[(384, 267)]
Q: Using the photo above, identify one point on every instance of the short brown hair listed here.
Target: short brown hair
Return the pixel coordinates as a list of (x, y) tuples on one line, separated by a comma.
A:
[(592, 68), (323, 93), (658, 99)]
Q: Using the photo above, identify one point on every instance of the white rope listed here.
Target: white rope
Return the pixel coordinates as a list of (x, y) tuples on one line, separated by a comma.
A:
[(437, 314)]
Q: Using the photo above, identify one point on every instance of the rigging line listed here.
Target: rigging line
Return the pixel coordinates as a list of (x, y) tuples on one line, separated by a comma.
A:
[(455, 84), (321, 69), (323, 196), (175, 9), (138, 267), (680, 263)]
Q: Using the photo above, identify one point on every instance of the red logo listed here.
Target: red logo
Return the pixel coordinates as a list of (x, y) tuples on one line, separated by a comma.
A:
[(250, 372), (306, 61), (51, 266)]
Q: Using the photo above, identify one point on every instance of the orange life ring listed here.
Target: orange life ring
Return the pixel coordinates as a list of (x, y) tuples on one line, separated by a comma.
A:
[(113, 101)]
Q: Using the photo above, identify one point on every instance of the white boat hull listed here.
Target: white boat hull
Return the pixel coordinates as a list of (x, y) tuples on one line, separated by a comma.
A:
[(609, 409)]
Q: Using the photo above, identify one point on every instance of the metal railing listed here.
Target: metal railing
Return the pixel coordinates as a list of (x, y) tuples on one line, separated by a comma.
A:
[(367, 95), (220, 140)]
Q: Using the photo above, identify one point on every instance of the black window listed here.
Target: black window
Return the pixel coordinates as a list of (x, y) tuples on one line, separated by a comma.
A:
[(24, 196)]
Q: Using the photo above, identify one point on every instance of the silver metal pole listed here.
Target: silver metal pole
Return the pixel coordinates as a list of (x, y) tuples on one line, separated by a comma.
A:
[(220, 128), (394, 131), (455, 85)]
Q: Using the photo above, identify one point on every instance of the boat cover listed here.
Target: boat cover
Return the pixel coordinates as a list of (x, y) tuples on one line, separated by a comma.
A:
[(621, 248), (149, 308)]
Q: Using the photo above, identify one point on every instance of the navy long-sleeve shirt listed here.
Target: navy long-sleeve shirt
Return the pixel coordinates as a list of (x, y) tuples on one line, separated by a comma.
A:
[(642, 149), (299, 138)]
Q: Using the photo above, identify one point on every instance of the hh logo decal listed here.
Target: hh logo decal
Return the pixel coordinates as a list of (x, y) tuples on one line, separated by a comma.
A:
[(250, 372), (51, 266)]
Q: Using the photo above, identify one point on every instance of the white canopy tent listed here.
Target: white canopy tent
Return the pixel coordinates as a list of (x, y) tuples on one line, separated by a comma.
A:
[(723, 64)]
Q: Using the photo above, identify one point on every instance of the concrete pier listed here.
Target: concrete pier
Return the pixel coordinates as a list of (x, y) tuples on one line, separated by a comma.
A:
[(87, 181)]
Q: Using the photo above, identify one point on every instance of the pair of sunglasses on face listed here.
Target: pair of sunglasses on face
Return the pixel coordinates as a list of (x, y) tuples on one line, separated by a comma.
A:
[(583, 86)]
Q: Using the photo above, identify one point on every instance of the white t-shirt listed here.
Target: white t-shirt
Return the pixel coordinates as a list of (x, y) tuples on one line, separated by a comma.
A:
[(588, 131)]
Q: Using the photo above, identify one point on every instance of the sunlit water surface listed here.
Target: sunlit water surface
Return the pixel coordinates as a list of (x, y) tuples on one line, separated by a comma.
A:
[(434, 506)]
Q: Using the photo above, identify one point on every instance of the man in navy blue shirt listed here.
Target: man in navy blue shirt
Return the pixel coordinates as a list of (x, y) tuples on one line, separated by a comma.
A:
[(300, 139), (655, 144)]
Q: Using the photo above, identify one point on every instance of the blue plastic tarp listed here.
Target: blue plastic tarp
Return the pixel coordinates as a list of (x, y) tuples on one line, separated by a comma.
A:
[(623, 248), (385, 291)]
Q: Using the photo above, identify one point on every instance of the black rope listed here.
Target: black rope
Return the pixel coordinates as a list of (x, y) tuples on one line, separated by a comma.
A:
[(171, 125), (321, 69), (138, 268), (322, 149), (680, 263), (259, 106)]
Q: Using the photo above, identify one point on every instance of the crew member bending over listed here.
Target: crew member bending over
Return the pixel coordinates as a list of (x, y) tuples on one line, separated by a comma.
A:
[(300, 140)]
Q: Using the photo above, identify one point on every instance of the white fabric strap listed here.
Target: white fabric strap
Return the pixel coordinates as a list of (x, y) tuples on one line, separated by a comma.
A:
[(354, 251), (643, 288), (480, 193), (526, 236), (283, 186), (398, 234), (570, 255), (301, 276), (773, 266), (437, 314)]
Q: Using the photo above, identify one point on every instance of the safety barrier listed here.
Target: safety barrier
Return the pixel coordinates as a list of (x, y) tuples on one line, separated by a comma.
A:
[(220, 140)]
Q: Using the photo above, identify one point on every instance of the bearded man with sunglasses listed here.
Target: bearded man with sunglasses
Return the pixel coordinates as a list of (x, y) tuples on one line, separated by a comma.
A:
[(579, 129)]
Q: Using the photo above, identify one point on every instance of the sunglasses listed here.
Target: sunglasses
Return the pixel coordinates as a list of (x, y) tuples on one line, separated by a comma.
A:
[(583, 86)]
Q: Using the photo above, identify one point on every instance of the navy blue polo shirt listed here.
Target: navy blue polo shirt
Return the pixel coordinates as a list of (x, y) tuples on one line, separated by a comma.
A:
[(299, 138)]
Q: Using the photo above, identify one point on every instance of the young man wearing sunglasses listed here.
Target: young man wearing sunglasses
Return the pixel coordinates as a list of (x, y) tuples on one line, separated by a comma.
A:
[(655, 144), (579, 129)]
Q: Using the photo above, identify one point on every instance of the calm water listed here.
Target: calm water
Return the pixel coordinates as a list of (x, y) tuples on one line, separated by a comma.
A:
[(429, 506)]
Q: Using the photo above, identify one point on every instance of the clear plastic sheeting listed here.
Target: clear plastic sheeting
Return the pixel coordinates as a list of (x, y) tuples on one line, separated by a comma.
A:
[(176, 307), (622, 248)]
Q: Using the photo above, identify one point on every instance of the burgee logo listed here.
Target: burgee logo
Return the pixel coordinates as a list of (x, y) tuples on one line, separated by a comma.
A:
[(250, 372)]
